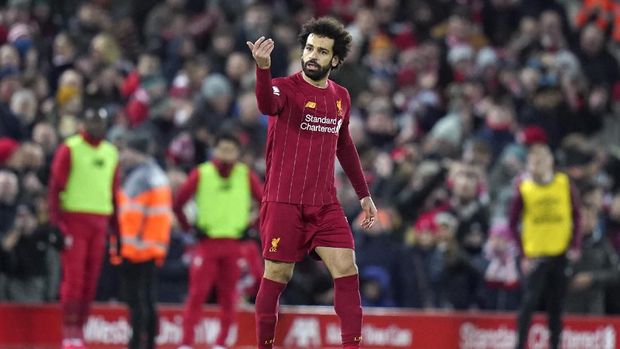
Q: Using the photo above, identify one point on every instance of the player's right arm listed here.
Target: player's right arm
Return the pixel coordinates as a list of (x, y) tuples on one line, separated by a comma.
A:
[(184, 194), (61, 165), (270, 98)]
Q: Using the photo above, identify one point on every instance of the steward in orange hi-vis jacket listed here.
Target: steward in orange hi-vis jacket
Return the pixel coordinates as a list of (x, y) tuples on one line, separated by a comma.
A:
[(145, 216)]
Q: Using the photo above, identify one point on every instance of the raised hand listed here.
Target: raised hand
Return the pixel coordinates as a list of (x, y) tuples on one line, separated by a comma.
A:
[(261, 51)]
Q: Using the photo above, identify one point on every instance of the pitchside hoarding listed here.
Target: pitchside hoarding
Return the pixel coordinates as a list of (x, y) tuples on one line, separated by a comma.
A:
[(308, 327)]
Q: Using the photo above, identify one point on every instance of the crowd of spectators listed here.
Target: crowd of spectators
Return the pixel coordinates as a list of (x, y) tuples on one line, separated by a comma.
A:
[(447, 95)]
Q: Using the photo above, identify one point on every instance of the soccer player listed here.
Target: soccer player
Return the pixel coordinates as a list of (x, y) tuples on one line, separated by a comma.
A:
[(223, 189), (83, 182), (300, 214)]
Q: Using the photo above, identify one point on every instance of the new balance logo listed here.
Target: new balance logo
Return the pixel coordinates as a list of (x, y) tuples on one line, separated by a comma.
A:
[(357, 339), (269, 341), (310, 105), (276, 90)]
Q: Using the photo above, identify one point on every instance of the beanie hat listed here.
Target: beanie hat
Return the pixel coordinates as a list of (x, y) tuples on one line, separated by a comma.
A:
[(138, 142), (8, 146), (532, 135)]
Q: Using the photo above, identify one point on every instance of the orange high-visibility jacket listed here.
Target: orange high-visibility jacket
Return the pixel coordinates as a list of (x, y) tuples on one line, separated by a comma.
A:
[(605, 12), (145, 214)]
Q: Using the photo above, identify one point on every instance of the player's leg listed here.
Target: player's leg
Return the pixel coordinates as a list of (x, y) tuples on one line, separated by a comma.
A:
[(277, 275), (73, 259), (150, 304), (228, 276), (535, 284), (132, 284), (555, 293), (96, 240), (283, 239), (333, 242), (347, 302), (202, 272)]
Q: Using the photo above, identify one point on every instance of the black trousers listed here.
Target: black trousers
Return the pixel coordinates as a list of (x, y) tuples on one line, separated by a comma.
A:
[(140, 293), (547, 281)]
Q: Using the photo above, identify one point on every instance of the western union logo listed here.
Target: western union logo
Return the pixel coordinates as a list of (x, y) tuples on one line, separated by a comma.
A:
[(310, 104)]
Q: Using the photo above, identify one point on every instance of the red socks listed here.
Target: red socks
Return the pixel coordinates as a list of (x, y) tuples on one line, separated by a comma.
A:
[(267, 312), (71, 327), (347, 304)]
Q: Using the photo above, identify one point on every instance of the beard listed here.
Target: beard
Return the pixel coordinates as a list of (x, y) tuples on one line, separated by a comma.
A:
[(317, 74)]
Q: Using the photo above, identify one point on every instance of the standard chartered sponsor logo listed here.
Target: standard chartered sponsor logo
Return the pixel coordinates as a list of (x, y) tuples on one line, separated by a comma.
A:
[(321, 124), (474, 337)]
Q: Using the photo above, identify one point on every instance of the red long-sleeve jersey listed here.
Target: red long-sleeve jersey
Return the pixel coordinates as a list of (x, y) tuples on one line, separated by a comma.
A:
[(308, 129)]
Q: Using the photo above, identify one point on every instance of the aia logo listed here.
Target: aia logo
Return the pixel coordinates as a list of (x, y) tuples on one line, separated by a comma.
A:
[(274, 245), (305, 332)]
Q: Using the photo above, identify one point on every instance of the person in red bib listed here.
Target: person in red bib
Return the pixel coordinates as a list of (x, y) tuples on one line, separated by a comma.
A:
[(84, 178), (223, 189)]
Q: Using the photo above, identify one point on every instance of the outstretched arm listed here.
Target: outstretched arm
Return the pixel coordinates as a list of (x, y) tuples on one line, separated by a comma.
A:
[(270, 98)]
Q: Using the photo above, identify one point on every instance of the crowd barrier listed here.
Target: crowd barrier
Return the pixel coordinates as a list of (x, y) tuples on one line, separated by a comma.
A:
[(39, 327)]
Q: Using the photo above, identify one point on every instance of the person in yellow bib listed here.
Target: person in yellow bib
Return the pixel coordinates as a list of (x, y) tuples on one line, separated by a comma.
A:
[(223, 189), (545, 221), (83, 180)]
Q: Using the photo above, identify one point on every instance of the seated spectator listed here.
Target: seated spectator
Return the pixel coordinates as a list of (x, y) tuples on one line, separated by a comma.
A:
[(9, 190), (501, 275), (25, 247), (375, 287), (597, 268), (422, 265)]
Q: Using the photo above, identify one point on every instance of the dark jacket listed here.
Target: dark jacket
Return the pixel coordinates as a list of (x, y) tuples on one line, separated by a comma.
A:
[(598, 258)]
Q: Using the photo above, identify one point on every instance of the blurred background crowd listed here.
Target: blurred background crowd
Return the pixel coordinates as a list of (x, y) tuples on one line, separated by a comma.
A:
[(447, 94)]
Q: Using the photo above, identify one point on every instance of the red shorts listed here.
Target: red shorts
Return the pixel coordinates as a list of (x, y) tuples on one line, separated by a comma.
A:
[(289, 232)]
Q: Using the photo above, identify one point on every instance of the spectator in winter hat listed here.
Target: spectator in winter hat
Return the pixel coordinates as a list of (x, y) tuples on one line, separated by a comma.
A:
[(20, 36), (217, 92), (8, 147), (26, 160)]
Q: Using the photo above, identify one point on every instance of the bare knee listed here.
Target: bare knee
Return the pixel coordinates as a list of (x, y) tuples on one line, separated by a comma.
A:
[(281, 272), (339, 261), (343, 268)]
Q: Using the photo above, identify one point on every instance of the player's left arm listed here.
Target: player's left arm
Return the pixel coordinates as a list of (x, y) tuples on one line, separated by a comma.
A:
[(350, 162), (575, 246)]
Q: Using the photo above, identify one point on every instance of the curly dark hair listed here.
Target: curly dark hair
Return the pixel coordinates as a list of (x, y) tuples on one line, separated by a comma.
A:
[(328, 27)]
